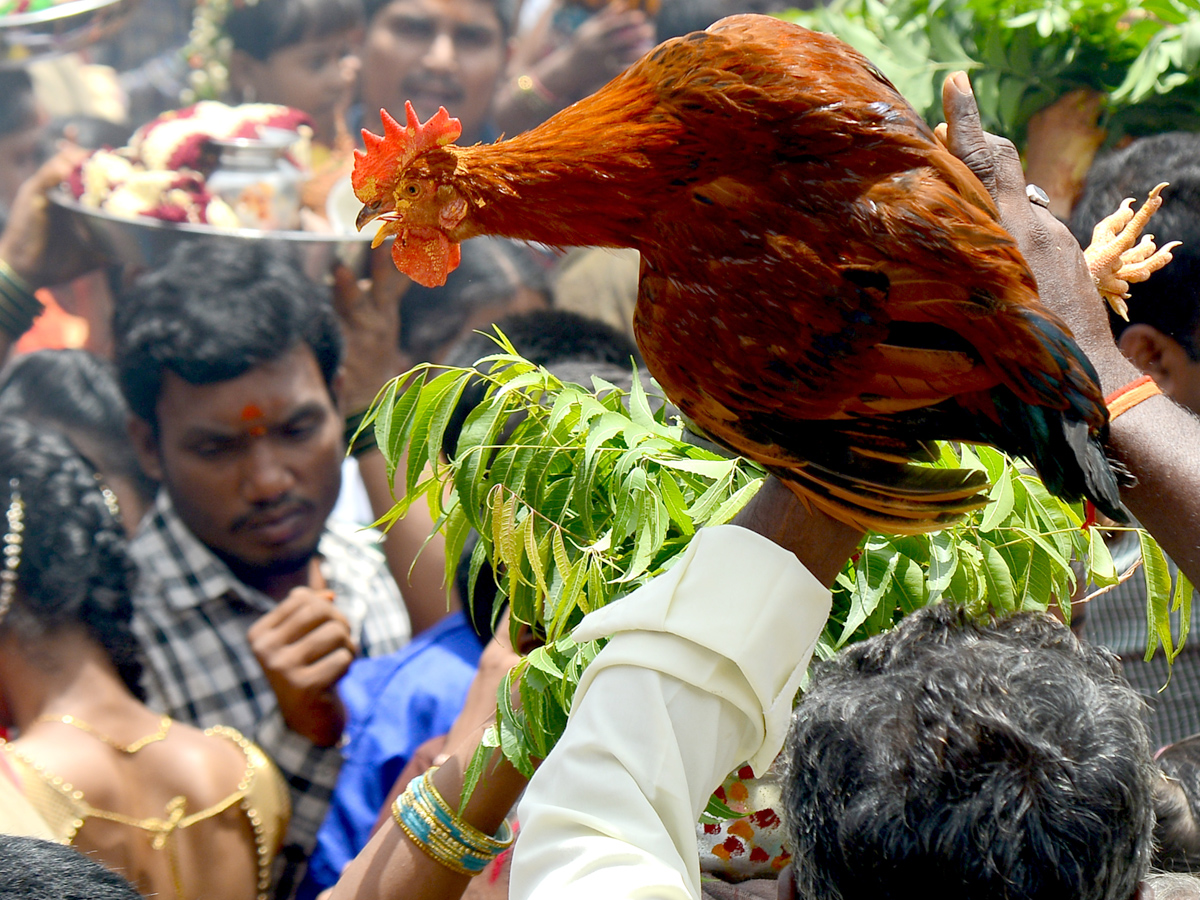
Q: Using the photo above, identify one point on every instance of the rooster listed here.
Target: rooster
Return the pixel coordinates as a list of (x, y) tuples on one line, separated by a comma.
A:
[(824, 288)]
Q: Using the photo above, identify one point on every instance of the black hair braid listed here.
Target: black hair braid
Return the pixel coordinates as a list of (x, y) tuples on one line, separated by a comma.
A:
[(74, 568)]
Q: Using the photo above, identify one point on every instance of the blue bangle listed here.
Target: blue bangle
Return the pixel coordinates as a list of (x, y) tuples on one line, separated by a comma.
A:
[(429, 823)]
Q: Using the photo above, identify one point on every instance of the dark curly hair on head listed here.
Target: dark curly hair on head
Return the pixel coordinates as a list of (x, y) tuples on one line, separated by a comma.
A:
[(74, 569), (1002, 761), (216, 310)]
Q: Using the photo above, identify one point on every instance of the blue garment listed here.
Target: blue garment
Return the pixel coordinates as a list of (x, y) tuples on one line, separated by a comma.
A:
[(394, 704)]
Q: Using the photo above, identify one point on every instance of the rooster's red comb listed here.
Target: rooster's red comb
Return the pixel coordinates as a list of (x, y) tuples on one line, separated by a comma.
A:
[(389, 154), (406, 143)]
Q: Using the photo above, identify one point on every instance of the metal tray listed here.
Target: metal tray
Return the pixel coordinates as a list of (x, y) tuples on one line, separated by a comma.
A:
[(146, 242), (65, 27)]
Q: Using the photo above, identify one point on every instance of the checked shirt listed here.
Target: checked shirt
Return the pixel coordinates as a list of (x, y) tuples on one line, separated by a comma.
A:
[(191, 616)]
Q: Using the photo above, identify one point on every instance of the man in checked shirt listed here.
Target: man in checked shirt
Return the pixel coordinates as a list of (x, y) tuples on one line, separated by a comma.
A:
[(250, 605)]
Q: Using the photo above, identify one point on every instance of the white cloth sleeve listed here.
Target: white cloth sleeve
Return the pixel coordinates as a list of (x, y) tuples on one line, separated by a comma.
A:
[(698, 677)]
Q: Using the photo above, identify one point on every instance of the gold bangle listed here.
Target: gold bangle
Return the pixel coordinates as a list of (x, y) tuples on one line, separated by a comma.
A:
[(434, 853), (481, 841)]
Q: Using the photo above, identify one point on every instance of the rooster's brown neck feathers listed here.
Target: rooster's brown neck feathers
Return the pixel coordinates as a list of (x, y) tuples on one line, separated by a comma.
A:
[(587, 177)]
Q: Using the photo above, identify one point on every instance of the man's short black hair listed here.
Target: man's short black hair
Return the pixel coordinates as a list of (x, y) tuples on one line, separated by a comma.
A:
[(489, 276), (215, 311), (1004, 761), (547, 336), (1170, 300), (550, 338)]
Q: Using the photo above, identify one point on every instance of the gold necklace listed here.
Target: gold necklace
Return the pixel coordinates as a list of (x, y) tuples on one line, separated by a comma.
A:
[(163, 727)]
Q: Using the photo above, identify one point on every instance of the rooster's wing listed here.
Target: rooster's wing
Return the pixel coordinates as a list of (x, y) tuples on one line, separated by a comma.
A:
[(833, 287)]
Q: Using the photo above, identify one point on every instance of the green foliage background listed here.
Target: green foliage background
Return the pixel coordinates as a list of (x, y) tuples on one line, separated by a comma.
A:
[(593, 492), (1143, 55)]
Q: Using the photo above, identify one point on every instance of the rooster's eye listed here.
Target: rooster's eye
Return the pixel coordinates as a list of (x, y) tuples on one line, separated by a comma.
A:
[(412, 189)]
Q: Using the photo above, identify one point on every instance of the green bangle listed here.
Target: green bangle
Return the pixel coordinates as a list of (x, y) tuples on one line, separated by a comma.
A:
[(13, 320), (18, 304), (16, 280), (9, 317)]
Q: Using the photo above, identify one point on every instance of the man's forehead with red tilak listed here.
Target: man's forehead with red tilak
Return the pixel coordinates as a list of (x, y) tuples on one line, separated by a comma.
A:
[(252, 413)]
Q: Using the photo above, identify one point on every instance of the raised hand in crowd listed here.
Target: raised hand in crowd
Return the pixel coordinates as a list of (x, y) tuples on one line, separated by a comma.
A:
[(304, 646)]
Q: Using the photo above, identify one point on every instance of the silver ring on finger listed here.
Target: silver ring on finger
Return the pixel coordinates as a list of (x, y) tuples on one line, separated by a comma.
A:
[(1037, 196)]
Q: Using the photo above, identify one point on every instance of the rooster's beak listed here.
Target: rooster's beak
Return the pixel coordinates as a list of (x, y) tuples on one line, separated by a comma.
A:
[(369, 212)]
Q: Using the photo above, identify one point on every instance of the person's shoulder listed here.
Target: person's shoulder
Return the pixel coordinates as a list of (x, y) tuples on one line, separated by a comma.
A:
[(217, 758)]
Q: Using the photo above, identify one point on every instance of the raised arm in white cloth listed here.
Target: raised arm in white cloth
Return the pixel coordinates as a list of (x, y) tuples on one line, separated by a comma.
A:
[(698, 678)]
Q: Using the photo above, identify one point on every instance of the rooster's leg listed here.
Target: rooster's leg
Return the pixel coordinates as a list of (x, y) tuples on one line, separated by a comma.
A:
[(1116, 258)]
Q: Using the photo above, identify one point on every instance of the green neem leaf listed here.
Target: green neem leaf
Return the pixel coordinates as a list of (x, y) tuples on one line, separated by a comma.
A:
[(1002, 497), (714, 469), (716, 812), (968, 586), (1001, 591), (434, 401), (735, 503), (479, 434), (1158, 596), (639, 406), (473, 772), (675, 503), (873, 577), (1101, 568), (456, 528), (943, 561), (1183, 604), (479, 556), (393, 423), (602, 430), (909, 585), (513, 741), (708, 502), (542, 660)]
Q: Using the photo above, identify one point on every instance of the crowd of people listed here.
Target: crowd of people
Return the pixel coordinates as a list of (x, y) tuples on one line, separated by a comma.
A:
[(216, 681)]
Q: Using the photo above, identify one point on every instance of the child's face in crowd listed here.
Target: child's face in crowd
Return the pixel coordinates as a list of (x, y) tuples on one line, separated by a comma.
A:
[(313, 75), (435, 53)]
